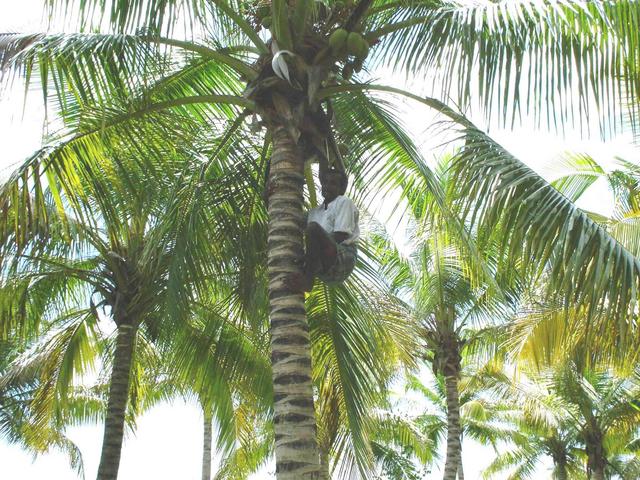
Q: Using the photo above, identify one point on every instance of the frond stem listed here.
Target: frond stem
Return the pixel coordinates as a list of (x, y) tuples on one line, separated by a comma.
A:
[(242, 24), (429, 101), (394, 27), (234, 63)]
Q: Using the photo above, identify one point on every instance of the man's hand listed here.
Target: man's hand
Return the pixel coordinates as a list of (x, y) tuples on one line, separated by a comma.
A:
[(340, 237)]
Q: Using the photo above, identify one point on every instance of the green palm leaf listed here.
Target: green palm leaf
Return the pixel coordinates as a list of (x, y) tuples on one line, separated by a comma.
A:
[(551, 57), (588, 266)]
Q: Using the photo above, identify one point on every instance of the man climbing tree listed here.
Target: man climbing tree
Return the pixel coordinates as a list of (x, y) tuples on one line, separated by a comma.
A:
[(331, 236)]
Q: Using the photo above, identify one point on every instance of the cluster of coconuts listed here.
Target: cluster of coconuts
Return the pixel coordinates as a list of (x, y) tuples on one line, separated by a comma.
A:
[(345, 44)]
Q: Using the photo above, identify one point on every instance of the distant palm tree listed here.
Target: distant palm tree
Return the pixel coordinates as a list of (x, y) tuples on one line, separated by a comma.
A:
[(481, 418), (584, 420), (18, 425), (452, 289), (360, 340), (200, 364), (401, 449), (541, 428), (110, 244), (607, 421), (284, 66)]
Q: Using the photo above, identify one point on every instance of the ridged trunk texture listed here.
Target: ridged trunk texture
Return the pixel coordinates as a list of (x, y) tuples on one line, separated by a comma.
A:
[(559, 455), (454, 445), (561, 470), (324, 466), (206, 443), (596, 455), (297, 453), (117, 403)]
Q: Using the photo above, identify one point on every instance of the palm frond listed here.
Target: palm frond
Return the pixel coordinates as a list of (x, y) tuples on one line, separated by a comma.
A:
[(583, 171), (552, 57), (542, 228)]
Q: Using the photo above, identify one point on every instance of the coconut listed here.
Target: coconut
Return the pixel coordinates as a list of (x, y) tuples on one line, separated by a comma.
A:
[(354, 43), (337, 40), (364, 49)]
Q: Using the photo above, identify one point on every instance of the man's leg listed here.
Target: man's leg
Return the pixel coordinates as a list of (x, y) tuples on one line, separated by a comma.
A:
[(321, 249), (320, 255)]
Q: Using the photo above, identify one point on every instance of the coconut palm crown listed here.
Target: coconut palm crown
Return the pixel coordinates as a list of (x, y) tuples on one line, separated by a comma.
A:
[(296, 72)]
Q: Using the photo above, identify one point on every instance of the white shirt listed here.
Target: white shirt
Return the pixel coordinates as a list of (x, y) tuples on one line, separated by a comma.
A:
[(341, 215)]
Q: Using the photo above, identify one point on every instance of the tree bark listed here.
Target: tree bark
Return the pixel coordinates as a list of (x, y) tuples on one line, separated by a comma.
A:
[(324, 466), (454, 446), (561, 470), (596, 470), (594, 445), (597, 473), (117, 403), (206, 443), (297, 453)]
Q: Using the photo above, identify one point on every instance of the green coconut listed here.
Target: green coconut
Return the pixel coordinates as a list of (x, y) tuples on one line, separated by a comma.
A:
[(364, 50), (354, 43), (337, 40)]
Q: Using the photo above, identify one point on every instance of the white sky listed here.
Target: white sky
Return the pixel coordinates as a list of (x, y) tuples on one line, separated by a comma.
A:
[(167, 444)]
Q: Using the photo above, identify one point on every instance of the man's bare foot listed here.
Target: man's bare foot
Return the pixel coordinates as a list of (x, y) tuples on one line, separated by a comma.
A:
[(298, 282)]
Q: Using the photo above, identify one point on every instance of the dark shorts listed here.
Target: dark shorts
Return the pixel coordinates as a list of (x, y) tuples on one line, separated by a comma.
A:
[(345, 261)]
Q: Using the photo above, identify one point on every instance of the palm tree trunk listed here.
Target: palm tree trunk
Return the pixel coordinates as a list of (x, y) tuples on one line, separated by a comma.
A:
[(454, 447), (297, 454), (117, 402), (561, 470), (206, 443), (596, 457), (596, 470), (460, 469), (324, 466)]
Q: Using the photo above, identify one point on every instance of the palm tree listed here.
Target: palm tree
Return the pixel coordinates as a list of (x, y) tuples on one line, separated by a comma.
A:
[(120, 260), (451, 288), (229, 68), (360, 339), (402, 451), (200, 364), (17, 425), (542, 427), (481, 417), (577, 417), (602, 407)]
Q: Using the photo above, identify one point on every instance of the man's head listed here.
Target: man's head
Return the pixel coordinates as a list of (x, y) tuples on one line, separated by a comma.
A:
[(334, 183)]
